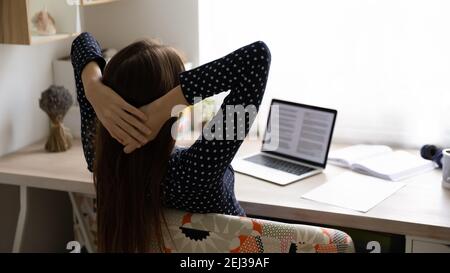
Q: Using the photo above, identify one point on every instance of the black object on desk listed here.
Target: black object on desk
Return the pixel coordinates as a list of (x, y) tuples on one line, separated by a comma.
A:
[(433, 153)]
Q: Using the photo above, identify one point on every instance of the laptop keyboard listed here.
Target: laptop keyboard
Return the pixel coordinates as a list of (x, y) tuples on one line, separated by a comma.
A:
[(279, 164)]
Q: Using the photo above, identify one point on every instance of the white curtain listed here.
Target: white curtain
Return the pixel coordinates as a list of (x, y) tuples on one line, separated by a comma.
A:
[(384, 65)]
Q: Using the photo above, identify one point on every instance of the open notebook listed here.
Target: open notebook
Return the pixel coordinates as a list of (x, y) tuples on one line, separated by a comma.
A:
[(380, 161)]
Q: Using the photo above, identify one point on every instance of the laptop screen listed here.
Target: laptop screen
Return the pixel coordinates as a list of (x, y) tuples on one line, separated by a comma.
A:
[(299, 132)]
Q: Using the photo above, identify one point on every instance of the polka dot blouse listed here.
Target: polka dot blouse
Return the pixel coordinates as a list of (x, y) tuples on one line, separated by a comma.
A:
[(199, 179)]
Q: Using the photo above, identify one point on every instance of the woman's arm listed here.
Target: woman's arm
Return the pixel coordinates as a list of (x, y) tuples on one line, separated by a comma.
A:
[(95, 99), (244, 72), (84, 51)]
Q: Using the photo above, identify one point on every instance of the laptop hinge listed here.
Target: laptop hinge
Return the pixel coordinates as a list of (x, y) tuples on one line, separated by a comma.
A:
[(291, 161)]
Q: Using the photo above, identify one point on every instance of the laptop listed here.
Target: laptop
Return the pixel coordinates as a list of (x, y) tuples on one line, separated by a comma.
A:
[(295, 145)]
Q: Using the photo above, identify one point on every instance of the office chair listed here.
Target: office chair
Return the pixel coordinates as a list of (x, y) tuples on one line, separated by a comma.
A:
[(217, 233)]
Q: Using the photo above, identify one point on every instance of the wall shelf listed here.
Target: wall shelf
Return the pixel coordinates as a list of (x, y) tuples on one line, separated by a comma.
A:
[(16, 26), (36, 40), (96, 2)]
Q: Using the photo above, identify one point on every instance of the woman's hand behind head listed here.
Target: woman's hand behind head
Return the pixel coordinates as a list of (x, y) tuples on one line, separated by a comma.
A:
[(158, 112), (124, 122)]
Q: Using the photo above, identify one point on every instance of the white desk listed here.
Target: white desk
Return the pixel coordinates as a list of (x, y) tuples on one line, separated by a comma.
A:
[(420, 210)]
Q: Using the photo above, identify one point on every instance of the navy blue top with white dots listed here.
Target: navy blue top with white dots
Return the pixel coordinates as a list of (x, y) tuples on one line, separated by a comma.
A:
[(199, 179)]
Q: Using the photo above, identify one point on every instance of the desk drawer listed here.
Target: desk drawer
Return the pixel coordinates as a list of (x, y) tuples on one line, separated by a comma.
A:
[(419, 246)]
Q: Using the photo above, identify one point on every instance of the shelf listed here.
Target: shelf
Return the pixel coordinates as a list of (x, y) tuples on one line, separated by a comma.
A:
[(16, 15), (96, 2), (14, 22), (36, 40)]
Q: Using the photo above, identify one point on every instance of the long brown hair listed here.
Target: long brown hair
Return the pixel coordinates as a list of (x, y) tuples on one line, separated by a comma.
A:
[(129, 196)]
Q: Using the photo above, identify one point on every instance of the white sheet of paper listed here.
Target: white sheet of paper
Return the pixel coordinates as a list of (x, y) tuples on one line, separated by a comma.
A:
[(354, 191)]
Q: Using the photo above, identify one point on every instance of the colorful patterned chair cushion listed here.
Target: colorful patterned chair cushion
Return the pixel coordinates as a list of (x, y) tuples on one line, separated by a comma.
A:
[(206, 233)]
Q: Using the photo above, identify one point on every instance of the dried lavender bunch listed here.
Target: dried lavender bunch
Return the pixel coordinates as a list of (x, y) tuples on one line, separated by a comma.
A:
[(56, 101)]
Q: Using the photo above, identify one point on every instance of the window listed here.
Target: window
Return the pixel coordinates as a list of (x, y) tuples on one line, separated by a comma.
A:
[(384, 65)]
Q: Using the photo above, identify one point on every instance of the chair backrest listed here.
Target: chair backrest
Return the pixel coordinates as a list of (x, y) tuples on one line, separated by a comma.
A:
[(202, 233), (207, 233)]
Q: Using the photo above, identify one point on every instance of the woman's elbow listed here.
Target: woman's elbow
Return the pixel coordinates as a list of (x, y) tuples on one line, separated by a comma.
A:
[(266, 56)]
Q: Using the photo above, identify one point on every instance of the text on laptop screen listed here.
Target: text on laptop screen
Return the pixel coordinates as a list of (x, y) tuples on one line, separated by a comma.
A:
[(299, 131)]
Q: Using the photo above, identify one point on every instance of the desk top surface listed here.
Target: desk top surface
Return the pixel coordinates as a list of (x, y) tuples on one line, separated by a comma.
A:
[(421, 208)]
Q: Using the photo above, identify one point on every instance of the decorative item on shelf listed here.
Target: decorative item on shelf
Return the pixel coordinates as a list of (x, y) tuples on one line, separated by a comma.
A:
[(44, 23), (56, 101)]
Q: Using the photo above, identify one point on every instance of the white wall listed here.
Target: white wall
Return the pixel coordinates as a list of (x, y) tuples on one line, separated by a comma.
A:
[(25, 71), (118, 24), (384, 65)]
